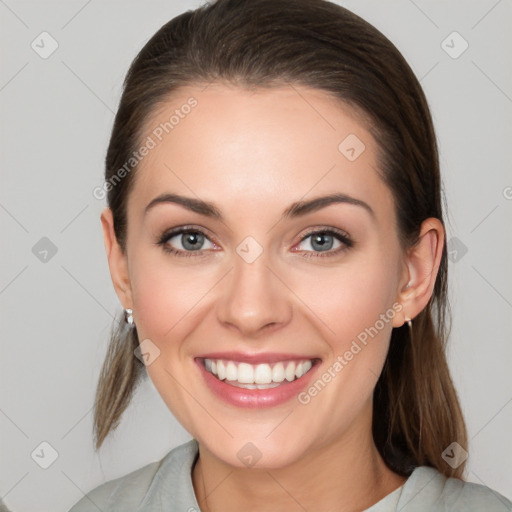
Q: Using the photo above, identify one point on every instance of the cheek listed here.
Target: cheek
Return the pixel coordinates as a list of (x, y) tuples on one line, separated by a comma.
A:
[(343, 389), (346, 300), (353, 307), (166, 297), (167, 304)]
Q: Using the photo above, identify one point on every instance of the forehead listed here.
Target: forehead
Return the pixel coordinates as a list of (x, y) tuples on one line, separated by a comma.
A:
[(267, 146)]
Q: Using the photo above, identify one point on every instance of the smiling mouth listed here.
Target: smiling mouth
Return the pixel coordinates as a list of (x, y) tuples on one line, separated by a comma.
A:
[(258, 376)]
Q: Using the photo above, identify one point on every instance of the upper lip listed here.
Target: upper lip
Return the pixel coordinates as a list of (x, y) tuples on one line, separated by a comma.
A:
[(263, 357)]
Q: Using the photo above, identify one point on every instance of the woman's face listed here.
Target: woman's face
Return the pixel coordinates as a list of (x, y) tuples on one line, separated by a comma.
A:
[(269, 279)]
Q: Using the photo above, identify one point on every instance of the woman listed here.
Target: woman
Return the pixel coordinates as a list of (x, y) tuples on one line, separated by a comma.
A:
[(275, 234)]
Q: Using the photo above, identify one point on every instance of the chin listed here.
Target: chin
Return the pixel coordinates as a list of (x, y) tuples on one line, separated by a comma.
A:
[(258, 452)]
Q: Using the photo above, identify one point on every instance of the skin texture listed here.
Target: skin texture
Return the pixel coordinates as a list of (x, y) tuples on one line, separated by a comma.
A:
[(253, 154)]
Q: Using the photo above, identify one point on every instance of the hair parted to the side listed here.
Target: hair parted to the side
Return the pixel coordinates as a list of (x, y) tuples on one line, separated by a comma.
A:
[(315, 43)]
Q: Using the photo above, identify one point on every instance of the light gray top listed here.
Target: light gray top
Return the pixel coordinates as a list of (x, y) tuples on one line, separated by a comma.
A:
[(166, 486)]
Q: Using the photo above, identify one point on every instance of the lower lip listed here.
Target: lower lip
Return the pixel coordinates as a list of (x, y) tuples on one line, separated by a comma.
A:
[(256, 398)]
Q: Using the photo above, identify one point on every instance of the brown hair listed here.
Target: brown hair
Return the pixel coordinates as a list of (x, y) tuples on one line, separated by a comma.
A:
[(315, 43)]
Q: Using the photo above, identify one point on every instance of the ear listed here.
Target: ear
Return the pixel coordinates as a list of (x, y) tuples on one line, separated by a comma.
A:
[(117, 260), (420, 270)]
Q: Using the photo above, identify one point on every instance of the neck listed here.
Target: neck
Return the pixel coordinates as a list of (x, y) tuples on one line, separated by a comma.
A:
[(345, 475)]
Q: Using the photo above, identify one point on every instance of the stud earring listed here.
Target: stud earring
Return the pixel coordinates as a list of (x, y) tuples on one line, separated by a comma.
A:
[(128, 317), (409, 324)]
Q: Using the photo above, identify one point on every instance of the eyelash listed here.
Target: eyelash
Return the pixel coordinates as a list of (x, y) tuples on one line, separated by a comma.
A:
[(340, 235)]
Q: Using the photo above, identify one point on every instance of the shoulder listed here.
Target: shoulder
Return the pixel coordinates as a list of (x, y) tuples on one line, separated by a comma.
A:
[(136, 490), (428, 489)]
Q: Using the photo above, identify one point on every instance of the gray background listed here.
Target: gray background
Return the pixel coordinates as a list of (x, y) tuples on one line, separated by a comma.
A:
[(56, 313)]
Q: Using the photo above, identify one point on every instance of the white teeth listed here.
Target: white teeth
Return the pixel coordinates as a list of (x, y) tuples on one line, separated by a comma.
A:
[(278, 372), (289, 373), (253, 386), (245, 373), (259, 376), (221, 370), (263, 374), (231, 371), (267, 386), (302, 368)]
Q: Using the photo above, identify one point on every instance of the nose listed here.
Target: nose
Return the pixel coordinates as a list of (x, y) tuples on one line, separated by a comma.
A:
[(254, 300)]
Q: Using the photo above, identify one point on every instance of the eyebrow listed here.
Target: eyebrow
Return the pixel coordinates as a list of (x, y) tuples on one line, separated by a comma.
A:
[(296, 209)]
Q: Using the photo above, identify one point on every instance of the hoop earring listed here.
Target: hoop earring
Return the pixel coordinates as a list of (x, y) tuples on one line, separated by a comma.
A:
[(128, 317)]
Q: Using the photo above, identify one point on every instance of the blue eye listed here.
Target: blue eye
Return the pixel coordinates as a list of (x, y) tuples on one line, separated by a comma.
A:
[(191, 240), (322, 241)]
